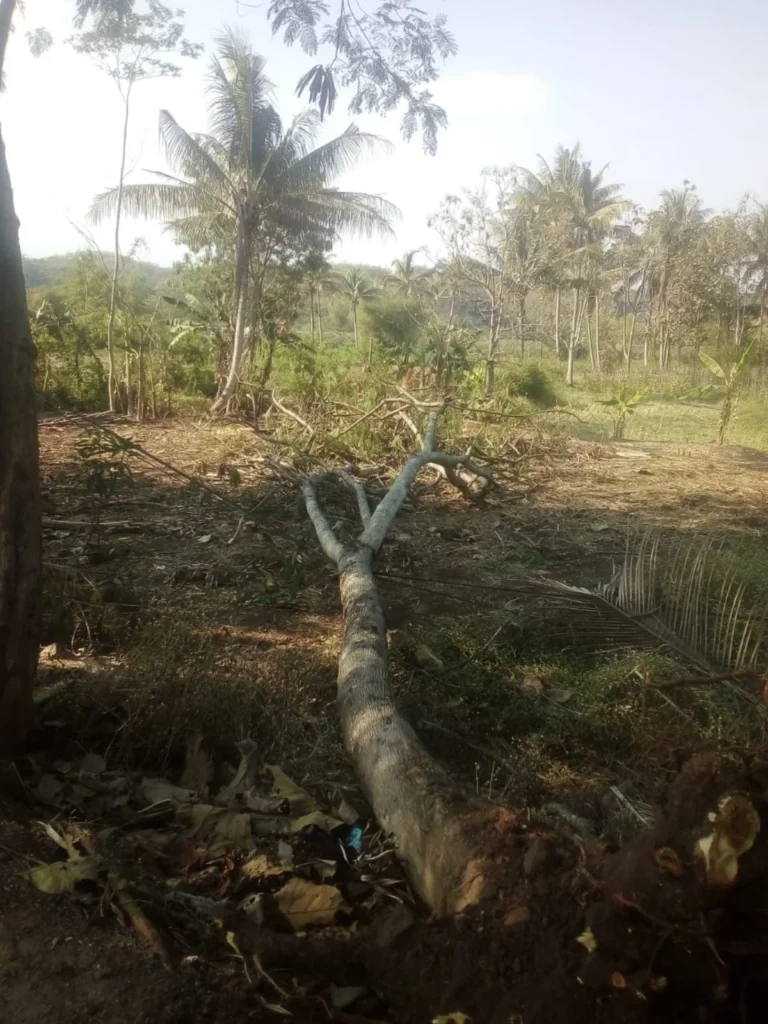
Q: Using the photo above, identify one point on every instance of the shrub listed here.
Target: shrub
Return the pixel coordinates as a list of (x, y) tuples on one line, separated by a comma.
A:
[(532, 382)]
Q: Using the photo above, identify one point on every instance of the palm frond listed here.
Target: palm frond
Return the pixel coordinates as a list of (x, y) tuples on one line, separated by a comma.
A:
[(156, 200), (238, 88), (201, 229), (190, 154), (328, 210), (323, 165), (689, 598)]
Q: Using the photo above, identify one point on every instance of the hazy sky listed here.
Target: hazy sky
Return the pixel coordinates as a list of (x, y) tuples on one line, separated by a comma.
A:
[(668, 90)]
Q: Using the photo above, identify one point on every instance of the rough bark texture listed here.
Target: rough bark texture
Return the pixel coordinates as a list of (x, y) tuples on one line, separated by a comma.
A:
[(242, 280), (20, 538), (412, 796)]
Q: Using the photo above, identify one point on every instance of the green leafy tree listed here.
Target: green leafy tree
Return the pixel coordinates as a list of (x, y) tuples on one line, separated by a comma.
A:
[(250, 176), (475, 231), (532, 255), (130, 47), (395, 324), (673, 230), (757, 233), (388, 54)]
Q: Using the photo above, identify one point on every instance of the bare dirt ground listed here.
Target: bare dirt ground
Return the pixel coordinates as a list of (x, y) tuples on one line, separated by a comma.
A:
[(182, 609)]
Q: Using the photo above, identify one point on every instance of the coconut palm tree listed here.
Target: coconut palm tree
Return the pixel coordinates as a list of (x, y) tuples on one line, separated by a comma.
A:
[(357, 288), (250, 179), (671, 231), (407, 278), (581, 208)]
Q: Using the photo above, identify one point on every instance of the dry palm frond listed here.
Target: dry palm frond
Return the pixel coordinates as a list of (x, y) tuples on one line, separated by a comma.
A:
[(689, 597)]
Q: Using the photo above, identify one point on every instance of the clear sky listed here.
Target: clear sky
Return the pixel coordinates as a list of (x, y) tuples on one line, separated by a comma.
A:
[(663, 91)]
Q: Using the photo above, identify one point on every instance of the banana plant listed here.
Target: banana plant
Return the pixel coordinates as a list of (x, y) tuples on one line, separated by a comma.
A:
[(729, 387), (625, 404)]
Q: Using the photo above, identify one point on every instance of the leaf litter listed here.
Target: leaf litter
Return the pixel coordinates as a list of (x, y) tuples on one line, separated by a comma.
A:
[(224, 859)]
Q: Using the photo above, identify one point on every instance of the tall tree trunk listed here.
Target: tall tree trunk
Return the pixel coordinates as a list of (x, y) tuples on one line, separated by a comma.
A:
[(7, 8), (557, 321), (598, 365), (141, 394), (116, 270), (572, 340), (490, 362), (589, 339), (412, 796), (319, 318), (763, 299), (266, 370), (20, 527), (128, 380), (521, 324), (354, 324), (312, 314), (242, 281)]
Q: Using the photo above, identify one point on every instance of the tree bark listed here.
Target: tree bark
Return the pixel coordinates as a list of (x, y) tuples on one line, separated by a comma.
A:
[(557, 321), (20, 528), (598, 365), (319, 318), (493, 351), (242, 281), (7, 8), (572, 340), (763, 299), (116, 273), (521, 324), (434, 824), (590, 346)]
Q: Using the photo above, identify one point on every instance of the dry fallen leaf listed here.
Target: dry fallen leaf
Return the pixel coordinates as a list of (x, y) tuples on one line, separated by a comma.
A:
[(300, 801), (532, 685), (259, 866), (304, 903), (63, 875), (588, 940), (318, 818)]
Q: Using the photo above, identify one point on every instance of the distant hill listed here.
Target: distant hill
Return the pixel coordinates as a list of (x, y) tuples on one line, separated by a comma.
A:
[(50, 271)]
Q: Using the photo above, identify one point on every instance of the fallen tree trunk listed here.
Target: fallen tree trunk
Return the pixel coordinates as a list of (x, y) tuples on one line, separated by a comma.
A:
[(645, 920)]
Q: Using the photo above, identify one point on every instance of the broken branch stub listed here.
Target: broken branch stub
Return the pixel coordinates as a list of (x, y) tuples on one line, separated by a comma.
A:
[(412, 796)]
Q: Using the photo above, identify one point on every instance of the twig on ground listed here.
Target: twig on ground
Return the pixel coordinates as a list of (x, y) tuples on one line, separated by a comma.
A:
[(293, 415)]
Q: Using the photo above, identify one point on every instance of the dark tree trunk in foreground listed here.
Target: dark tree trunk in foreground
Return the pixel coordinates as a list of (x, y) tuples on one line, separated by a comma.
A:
[(20, 531), (657, 931)]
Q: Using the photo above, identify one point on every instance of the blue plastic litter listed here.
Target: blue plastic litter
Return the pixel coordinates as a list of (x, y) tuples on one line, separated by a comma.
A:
[(355, 839)]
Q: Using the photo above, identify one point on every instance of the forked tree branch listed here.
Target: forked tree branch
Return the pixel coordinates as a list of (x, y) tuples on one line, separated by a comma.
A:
[(377, 524)]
